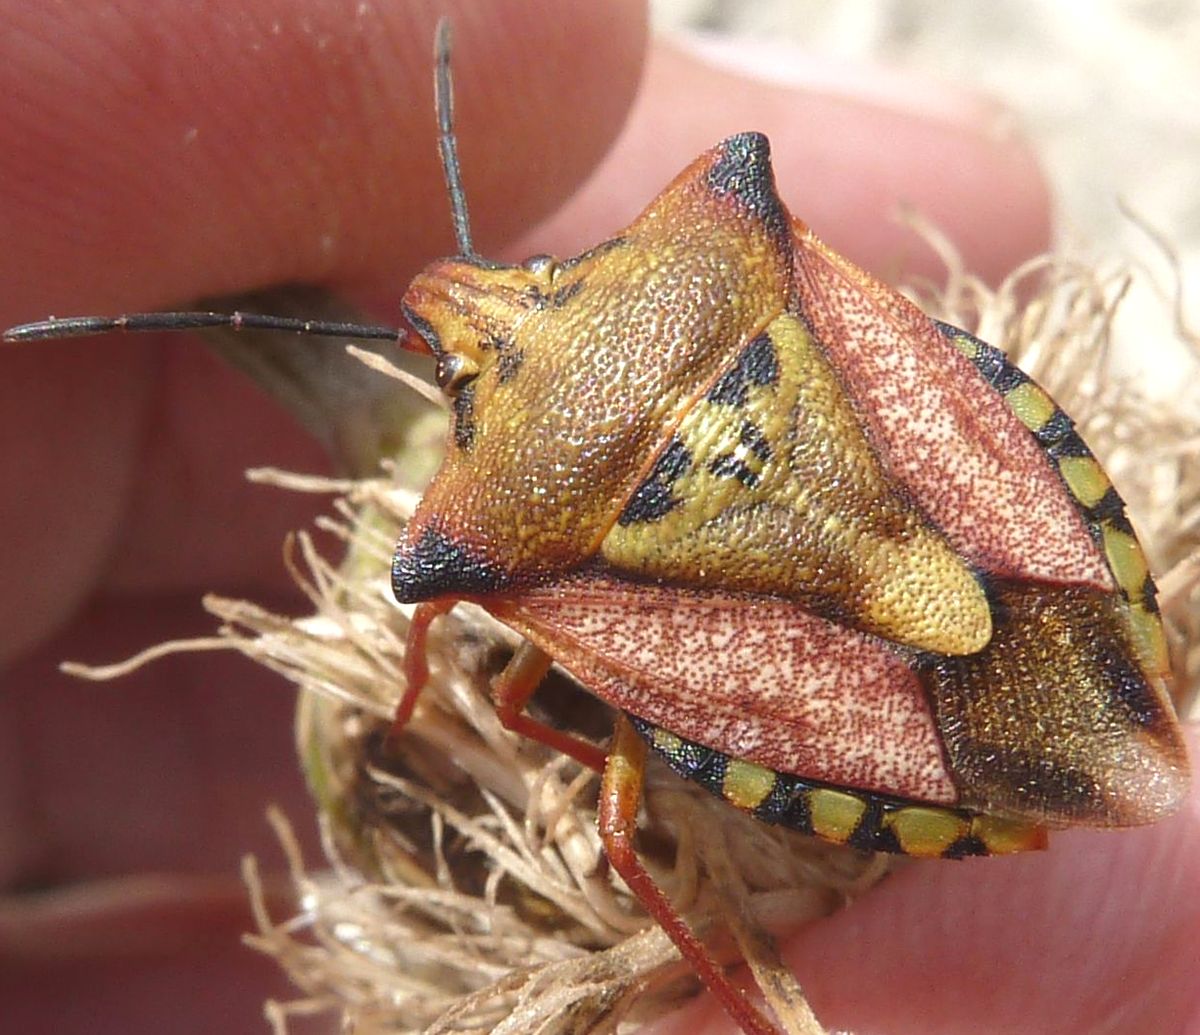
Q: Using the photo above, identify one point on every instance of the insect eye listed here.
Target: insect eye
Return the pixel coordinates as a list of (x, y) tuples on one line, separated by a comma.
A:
[(542, 265), (454, 373)]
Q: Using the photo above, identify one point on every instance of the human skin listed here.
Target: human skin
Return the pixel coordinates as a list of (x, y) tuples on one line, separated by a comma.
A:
[(156, 153)]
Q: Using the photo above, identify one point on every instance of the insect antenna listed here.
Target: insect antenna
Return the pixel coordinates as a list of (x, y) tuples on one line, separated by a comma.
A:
[(443, 87), (82, 326)]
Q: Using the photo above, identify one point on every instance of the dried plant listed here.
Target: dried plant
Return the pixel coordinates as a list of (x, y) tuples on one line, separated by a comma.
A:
[(464, 887)]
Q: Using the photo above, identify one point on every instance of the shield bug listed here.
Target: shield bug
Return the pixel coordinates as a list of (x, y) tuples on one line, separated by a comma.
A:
[(841, 564)]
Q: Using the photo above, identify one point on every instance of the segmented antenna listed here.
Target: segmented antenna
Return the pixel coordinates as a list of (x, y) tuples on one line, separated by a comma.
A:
[(82, 326), (443, 88)]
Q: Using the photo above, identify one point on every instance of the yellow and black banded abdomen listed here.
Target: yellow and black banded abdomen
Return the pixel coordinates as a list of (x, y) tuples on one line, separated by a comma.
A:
[(860, 819), (1099, 504)]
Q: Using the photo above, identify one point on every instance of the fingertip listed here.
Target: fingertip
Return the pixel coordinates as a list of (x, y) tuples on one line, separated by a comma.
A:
[(1094, 928), (1095, 934), (849, 153), (173, 151)]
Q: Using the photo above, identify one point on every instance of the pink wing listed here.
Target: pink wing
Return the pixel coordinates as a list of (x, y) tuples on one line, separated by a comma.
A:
[(759, 679), (957, 449)]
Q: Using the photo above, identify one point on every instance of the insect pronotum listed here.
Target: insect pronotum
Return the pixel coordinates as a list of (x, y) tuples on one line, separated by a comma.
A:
[(841, 564)]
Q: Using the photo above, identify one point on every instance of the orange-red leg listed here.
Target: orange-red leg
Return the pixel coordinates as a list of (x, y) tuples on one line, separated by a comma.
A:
[(620, 795), (416, 664), (511, 692)]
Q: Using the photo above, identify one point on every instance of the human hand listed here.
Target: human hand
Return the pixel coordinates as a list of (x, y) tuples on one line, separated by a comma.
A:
[(158, 154)]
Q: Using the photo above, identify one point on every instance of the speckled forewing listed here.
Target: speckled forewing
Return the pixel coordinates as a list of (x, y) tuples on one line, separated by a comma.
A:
[(758, 679), (953, 445), (751, 495)]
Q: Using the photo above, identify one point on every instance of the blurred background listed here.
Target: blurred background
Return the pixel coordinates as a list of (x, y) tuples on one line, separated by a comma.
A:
[(1108, 91)]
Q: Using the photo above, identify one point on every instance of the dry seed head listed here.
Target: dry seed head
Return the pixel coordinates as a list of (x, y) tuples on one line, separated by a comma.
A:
[(463, 887)]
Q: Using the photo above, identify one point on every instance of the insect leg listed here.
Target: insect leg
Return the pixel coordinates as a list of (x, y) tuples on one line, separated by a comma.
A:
[(620, 795), (416, 664), (512, 690)]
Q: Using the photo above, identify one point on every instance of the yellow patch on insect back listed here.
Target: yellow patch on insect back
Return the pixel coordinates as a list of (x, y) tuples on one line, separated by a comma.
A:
[(1003, 836), (1126, 559), (747, 785), (969, 347), (926, 832), (835, 814), (1084, 477), (750, 509), (666, 741), (1148, 638), (898, 608), (1033, 407)]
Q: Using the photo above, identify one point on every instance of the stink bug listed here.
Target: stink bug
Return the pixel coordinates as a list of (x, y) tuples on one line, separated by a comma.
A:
[(839, 563)]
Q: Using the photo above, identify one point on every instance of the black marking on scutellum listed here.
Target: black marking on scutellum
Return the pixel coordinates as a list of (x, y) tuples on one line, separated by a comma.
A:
[(756, 364), (437, 566), (752, 438), (743, 170), (652, 499), (729, 465)]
